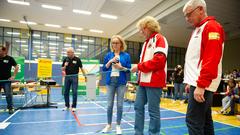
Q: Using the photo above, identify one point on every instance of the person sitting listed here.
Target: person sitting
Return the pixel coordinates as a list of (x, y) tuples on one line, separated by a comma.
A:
[(226, 101), (235, 98)]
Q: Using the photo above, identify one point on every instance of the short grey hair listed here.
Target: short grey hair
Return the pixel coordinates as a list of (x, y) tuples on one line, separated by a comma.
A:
[(195, 4), (70, 49)]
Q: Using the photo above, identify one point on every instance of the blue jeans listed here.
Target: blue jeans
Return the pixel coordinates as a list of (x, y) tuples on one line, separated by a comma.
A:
[(199, 115), (71, 81), (178, 91), (152, 97), (113, 88), (8, 92)]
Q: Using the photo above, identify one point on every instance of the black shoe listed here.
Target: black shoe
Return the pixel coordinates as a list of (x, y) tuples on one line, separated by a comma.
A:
[(229, 114), (10, 111), (186, 101)]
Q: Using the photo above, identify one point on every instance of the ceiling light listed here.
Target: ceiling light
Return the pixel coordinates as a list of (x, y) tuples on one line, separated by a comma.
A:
[(88, 40), (37, 42), (75, 28), (36, 35), (24, 45), (29, 23), (77, 53), (19, 2), (52, 47), (37, 46), (108, 16), (83, 46), (69, 45), (81, 12), (20, 41), (5, 20), (96, 31), (81, 50), (13, 33), (51, 7), (69, 38), (53, 44), (53, 25), (52, 52), (53, 37)]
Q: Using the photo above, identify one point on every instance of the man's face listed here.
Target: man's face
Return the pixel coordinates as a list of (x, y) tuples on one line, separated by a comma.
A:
[(70, 53), (192, 15)]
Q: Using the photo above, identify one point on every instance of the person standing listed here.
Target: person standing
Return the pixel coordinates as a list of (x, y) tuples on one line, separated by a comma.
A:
[(6, 64), (118, 62), (70, 68), (152, 69), (203, 66), (178, 82)]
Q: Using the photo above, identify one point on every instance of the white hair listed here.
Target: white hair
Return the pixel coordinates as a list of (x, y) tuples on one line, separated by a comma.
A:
[(195, 4), (70, 49)]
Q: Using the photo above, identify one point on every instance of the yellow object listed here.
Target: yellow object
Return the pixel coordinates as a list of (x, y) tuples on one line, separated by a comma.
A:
[(44, 68), (42, 92), (237, 108)]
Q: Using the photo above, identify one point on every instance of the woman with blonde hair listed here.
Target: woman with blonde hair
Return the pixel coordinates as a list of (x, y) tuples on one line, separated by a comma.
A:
[(118, 62), (152, 69)]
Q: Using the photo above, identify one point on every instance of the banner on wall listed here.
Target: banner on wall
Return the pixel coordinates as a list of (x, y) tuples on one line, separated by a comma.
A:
[(44, 68), (20, 63)]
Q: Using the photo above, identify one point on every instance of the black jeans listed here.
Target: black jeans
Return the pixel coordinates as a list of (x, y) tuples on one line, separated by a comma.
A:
[(199, 115), (71, 81), (8, 92)]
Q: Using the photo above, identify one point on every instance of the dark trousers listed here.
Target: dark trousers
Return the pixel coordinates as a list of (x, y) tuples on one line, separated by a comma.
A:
[(232, 104), (8, 92), (71, 81), (199, 115)]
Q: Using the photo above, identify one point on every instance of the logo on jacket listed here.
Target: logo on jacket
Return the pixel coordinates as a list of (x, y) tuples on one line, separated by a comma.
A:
[(213, 36)]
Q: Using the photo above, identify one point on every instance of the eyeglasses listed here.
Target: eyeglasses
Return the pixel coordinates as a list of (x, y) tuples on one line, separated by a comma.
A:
[(190, 13)]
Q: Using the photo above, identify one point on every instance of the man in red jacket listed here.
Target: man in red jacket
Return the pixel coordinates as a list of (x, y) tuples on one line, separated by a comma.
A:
[(203, 66)]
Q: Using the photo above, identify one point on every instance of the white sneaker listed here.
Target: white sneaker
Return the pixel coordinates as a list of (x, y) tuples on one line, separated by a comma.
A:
[(118, 130), (65, 108), (74, 109), (107, 128)]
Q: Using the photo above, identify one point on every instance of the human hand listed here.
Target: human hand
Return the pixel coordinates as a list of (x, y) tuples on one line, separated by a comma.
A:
[(134, 69), (11, 78), (199, 94)]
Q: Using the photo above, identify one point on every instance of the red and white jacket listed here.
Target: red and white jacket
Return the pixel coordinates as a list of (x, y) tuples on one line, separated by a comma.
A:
[(153, 66), (203, 61)]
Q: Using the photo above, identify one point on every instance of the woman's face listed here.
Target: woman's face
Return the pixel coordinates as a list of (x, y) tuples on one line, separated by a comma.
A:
[(145, 32), (116, 44)]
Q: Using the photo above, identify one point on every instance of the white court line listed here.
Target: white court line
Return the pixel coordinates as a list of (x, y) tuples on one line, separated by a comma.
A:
[(94, 124), (41, 122), (125, 129), (82, 108), (10, 116), (122, 118), (8, 123)]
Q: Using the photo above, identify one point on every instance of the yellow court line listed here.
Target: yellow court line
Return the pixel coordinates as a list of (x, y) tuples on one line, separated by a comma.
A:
[(181, 107)]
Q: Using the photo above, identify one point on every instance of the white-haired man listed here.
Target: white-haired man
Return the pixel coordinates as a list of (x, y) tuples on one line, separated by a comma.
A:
[(203, 66), (70, 67)]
